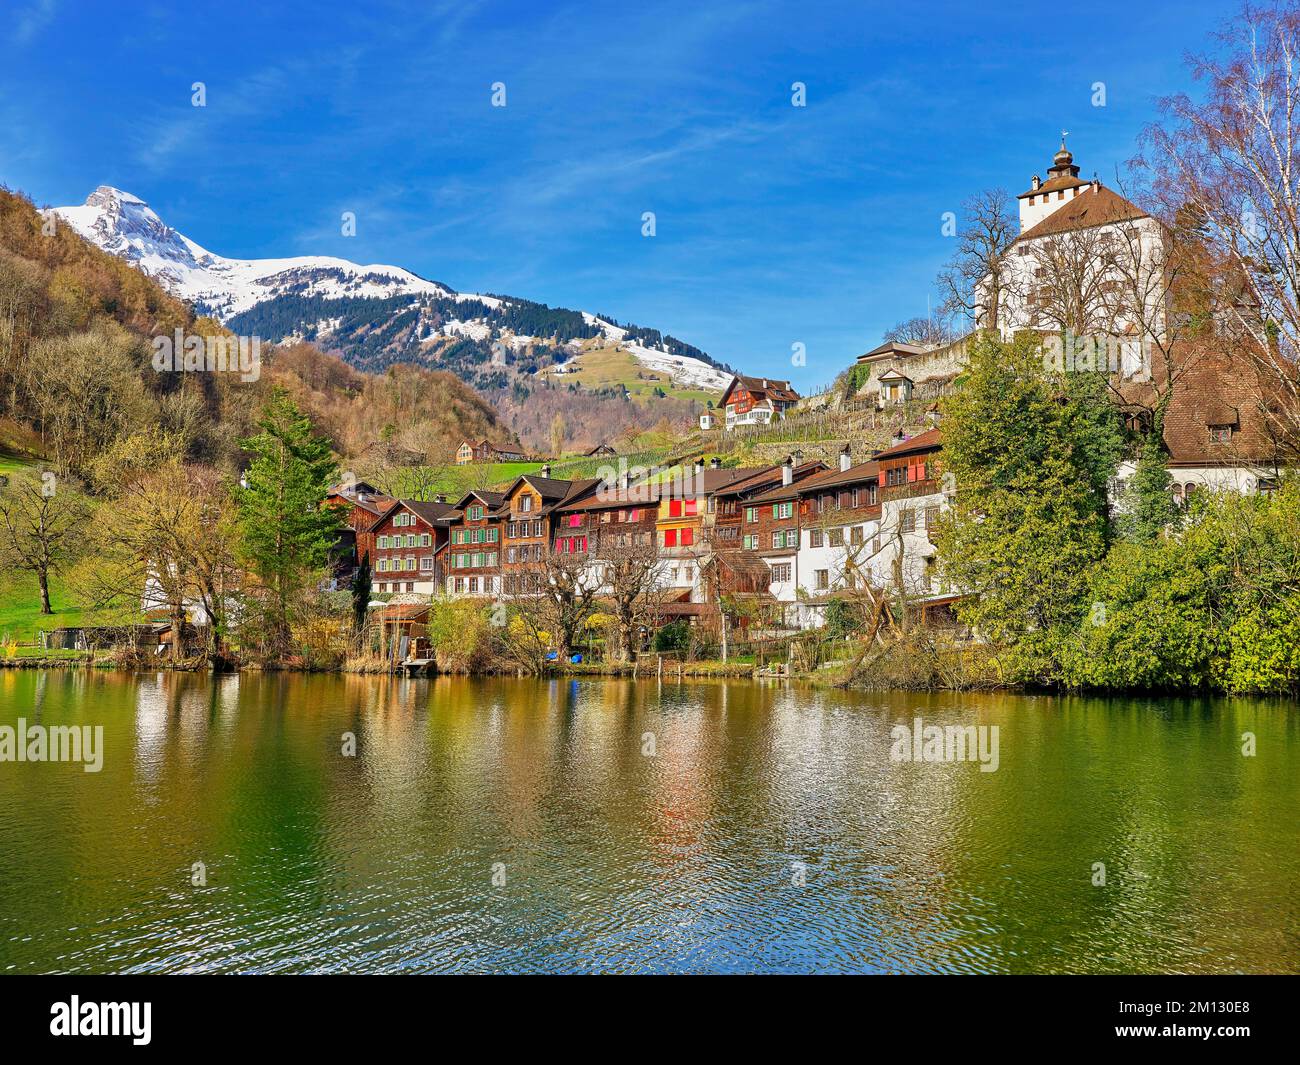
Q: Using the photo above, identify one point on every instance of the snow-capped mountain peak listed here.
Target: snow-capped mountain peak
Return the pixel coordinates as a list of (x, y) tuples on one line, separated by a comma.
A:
[(125, 225)]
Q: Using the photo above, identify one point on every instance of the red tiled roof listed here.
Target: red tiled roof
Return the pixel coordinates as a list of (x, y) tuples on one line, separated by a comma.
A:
[(1096, 207), (930, 440)]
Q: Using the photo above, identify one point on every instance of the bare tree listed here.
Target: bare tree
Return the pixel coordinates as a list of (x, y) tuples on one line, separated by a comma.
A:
[(933, 331), (632, 584), (42, 528), (1231, 162), (976, 283), (567, 586), (1068, 286)]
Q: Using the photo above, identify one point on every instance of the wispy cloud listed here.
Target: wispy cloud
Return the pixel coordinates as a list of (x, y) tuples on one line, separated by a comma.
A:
[(30, 20)]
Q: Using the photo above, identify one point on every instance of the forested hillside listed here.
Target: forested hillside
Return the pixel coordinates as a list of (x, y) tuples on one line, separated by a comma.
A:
[(77, 384)]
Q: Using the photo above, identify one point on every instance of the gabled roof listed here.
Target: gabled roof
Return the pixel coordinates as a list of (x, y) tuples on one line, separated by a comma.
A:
[(761, 387), (892, 347), (491, 500), (930, 440), (801, 476), (862, 473), (431, 513), (638, 495), (551, 489), (893, 374), (1096, 207)]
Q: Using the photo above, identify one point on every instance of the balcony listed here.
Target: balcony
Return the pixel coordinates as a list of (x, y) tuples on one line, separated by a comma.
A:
[(912, 490)]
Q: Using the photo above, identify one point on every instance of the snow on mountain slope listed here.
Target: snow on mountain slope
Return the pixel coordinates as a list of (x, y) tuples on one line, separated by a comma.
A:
[(125, 225)]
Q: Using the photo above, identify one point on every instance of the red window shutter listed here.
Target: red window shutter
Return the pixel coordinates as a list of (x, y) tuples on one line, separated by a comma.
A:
[(670, 538), (688, 537), (675, 508)]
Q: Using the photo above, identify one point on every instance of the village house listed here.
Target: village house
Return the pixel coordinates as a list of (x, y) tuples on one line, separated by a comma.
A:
[(531, 525), (474, 544), (756, 401), (487, 451), (361, 504), (840, 514), (769, 531), (684, 504), (410, 538), (911, 501), (597, 523)]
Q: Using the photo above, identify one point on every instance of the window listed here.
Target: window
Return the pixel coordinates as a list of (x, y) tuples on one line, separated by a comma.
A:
[(1220, 434), (525, 503), (837, 538), (816, 538), (792, 538), (474, 513), (931, 517), (674, 508), (751, 514), (907, 521), (856, 535), (895, 475), (781, 573), (688, 537), (382, 542), (670, 538), (751, 542), (426, 564), (822, 579), (778, 539), (782, 510), (425, 540), (383, 565), (473, 585)]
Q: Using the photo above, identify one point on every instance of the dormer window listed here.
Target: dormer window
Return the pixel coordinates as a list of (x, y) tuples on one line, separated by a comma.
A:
[(1220, 434)]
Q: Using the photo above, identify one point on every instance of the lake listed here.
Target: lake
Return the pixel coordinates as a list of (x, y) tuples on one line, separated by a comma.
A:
[(609, 825)]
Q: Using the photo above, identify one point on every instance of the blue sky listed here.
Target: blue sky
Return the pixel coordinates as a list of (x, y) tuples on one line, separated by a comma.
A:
[(776, 225)]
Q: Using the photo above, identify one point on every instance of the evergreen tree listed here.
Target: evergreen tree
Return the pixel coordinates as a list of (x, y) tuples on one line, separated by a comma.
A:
[(287, 531), (1027, 523)]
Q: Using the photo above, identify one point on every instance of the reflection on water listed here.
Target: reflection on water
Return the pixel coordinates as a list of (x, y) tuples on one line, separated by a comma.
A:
[(517, 825)]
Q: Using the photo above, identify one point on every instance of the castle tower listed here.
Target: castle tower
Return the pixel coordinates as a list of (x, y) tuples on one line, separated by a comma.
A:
[(1061, 186)]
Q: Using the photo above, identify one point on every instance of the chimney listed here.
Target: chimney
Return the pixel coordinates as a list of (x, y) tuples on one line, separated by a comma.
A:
[(624, 479), (1035, 183), (440, 498), (764, 382), (876, 451), (798, 458), (787, 471), (699, 466), (546, 470), (715, 463), (846, 458)]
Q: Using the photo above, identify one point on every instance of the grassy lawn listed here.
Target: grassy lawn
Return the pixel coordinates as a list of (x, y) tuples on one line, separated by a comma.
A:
[(20, 607), (11, 463)]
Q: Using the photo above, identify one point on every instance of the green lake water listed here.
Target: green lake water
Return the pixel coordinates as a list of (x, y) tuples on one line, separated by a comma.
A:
[(607, 825)]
